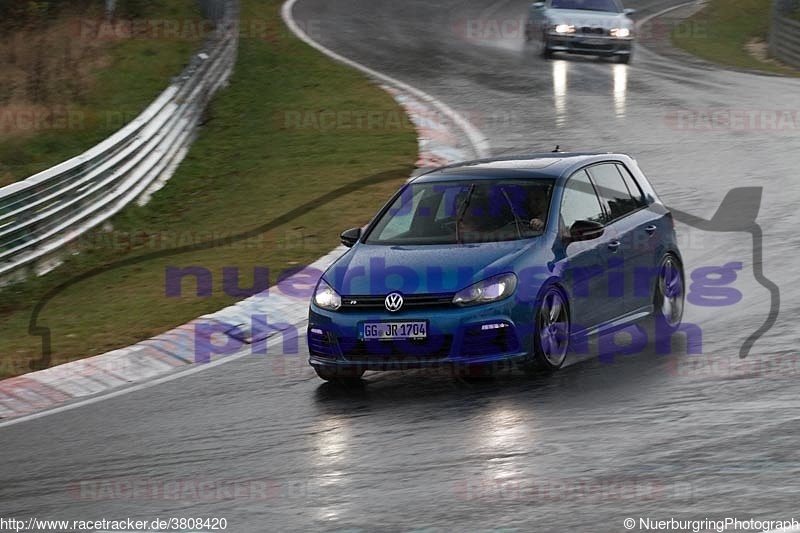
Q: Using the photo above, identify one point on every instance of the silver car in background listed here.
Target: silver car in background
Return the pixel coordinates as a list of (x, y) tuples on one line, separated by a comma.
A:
[(595, 27)]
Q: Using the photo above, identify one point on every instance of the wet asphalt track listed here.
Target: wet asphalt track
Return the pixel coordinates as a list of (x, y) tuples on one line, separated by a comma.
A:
[(577, 451)]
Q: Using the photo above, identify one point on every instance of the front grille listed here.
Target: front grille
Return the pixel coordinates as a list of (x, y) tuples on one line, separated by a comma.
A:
[(478, 342), (594, 47), (593, 30), (433, 348), (412, 301)]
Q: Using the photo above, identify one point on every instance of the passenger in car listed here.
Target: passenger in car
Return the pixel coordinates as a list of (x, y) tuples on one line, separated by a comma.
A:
[(537, 209)]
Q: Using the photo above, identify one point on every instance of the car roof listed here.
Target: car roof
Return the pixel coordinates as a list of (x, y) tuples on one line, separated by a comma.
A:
[(530, 166)]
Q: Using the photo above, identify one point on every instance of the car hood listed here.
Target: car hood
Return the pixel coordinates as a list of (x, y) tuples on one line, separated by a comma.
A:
[(431, 269), (580, 17)]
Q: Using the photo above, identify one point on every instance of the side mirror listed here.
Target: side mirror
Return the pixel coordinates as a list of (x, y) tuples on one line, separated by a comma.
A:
[(537, 5), (585, 230), (350, 237), (628, 12)]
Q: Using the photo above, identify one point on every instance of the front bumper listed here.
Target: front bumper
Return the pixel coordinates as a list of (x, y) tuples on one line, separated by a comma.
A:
[(594, 45), (479, 335)]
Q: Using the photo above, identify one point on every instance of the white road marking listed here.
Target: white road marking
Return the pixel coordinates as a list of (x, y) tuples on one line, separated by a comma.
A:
[(479, 142), (648, 18), (246, 350)]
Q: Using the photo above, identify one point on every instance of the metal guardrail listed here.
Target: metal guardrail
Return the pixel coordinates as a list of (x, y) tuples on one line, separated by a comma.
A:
[(44, 213), (784, 32)]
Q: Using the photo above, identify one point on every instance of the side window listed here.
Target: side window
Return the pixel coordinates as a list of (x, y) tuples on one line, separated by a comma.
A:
[(613, 191), (633, 187), (579, 201)]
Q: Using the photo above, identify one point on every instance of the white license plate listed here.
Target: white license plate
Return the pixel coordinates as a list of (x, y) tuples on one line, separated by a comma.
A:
[(417, 329)]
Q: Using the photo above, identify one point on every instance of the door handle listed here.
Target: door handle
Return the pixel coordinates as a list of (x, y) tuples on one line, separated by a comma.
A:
[(651, 229), (613, 245)]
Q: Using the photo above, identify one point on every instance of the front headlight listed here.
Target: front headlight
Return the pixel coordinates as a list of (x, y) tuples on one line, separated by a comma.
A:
[(620, 32), (565, 28), (327, 298), (489, 290)]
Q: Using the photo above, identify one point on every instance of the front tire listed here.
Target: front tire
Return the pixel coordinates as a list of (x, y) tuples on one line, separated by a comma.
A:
[(669, 294), (552, 329), (547, 52)]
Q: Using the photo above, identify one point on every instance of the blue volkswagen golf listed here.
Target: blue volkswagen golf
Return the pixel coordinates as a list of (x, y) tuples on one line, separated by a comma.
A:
[(496, 261)]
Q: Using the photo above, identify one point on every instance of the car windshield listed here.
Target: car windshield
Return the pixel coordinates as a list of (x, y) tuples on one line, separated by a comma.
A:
[(587, 5), (469, 211)]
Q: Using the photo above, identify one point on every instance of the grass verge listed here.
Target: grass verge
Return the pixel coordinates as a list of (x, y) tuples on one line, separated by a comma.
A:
[(90, 84), (722, 31), (267, 146)]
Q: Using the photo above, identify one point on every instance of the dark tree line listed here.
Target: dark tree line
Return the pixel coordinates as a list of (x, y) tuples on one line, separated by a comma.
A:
[(17, 13)]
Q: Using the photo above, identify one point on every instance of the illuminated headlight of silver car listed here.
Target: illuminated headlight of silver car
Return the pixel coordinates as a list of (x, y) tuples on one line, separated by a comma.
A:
[(564, 28), (620, 32), (489, 290), (327, 298)]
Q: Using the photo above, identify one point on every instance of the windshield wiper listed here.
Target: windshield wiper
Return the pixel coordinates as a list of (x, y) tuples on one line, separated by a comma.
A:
[(462, 210), (513, 212)]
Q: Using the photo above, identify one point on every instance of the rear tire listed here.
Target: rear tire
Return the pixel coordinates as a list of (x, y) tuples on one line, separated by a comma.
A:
[(669, 294)]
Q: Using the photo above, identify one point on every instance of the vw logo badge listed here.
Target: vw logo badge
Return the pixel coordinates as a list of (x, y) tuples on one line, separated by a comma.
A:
[(393, 302)]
